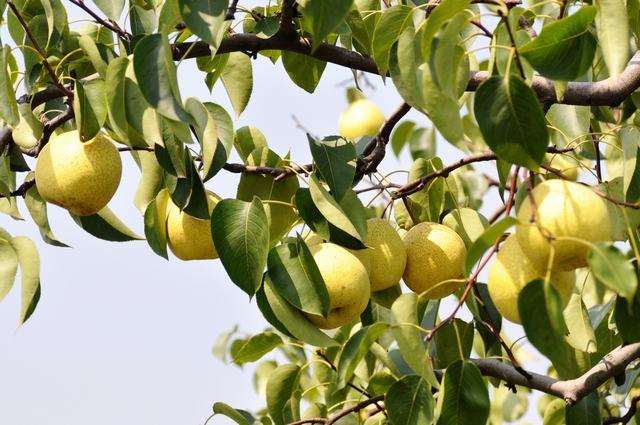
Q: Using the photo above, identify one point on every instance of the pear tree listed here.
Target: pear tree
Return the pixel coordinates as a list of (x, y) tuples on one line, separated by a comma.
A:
[(390, 296)]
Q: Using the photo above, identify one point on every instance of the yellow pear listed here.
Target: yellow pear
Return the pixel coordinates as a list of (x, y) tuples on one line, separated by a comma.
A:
[(511, 271), (362, 118), (563, 210), (569, 168), (388, 256), (435, 256), (81, 177), (190, 237), (466, 222), (347, 284), (364, 255)]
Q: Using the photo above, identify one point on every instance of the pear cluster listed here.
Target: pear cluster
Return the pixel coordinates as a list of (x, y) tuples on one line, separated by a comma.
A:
[(429, 258), (557, 225)]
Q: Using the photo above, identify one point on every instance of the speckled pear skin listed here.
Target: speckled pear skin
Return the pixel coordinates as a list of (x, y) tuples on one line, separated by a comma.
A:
[(81, 177), (189, 237), (388, 254), (435, 254), (511, 271), (564, 209), (347, 283)]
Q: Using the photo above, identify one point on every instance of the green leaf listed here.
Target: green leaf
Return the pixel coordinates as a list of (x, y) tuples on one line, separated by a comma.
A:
[(400, 136), (90, 49), (612, 28), (331, 210), (541, 332), (155, 223), (29, 262), (241, 236), (106, 225), (207, 131), (206, 19), (304, 70), (486, 241), (391, 24), (280, 388), (8, 266), (238, 416), (277, 194), (612, 268), (38, 209), (511, 120), (584, 412), (247, 139), (409, 402), (214, 161), (465, 395), (90, 108), (115, 93), (151, 179), (297, 279), (257, 346), (453, 342), (293, 321), (409, 338), (446, 56), (111, 8), (581, 335), (422, 143), (564, 49), (9, 106), (323, 16), (356, 348), (446, 10), (237, 77), (630, 163), (156, 75), (335, 159), (627, 315)]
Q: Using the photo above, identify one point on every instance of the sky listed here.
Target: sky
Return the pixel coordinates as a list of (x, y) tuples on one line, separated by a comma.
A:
[(123, 336)]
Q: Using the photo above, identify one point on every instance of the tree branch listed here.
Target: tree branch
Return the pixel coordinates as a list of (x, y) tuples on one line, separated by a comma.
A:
[(36, 46), (110, 25), (375, 151), (626, 418), (573, 390)]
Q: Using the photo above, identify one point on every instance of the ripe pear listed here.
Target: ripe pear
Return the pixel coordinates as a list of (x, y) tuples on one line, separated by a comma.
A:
[(563, 209), (81, 177), (511, 271), (387, 252), (362, 118), (466, 222), (347, 284), (569, 168), (435, 254), (190, 237), (364, 255)]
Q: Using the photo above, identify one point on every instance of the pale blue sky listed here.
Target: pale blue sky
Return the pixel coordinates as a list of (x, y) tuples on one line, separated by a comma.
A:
[(122, 336)]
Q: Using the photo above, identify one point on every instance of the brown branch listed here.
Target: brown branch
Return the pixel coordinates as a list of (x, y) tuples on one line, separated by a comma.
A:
[(626, 418), (287, 13), (21, 190), (49, 127), (375, 151), (572, 390), (231, 11), (43, 55), (514, 45), (110, 25)]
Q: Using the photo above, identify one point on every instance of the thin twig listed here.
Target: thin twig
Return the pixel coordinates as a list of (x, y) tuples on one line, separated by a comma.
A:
[(43, 55)]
